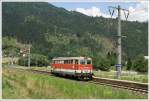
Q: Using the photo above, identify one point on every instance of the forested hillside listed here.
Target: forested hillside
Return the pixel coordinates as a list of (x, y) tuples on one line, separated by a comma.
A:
[(54, 31)]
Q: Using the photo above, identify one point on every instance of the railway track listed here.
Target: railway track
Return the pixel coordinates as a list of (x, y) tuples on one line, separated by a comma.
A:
[(129, 85), (40, 72), (123, 84)]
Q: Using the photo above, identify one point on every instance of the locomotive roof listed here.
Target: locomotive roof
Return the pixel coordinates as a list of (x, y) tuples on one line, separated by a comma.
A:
[(68, 58)]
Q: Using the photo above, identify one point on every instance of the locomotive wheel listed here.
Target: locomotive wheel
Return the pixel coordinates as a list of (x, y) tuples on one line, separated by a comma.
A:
[(82, 77), (90, 77), (79, 78)]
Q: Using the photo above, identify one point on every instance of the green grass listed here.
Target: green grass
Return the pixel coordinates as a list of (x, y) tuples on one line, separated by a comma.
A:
[(41, 68), (24, 84), (6, 60), (125, 76)]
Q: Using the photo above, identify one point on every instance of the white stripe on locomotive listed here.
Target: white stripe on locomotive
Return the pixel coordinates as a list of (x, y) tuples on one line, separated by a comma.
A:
[(70, 71)]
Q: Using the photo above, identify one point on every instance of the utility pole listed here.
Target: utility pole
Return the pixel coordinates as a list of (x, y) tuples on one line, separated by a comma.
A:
[(29, 57), (55, 29), (126, 14), (119, 44), (11, 58)]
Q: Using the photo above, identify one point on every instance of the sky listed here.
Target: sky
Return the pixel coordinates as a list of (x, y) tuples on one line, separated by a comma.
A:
[(138, 11)]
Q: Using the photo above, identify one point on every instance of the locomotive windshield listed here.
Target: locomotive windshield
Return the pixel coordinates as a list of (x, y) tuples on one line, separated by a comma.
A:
[(88, 61), (85, 62)]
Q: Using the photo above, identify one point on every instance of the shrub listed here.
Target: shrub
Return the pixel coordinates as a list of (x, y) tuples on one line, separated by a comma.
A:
[(140, 64), (9, 46), (129, 64), (102, 64), (112, 57)]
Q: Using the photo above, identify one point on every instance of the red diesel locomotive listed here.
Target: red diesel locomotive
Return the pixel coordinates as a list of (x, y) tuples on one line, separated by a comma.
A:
[(78, 67)]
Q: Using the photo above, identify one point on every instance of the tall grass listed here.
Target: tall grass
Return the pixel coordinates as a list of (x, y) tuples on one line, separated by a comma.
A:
[(23, 84), (125, 76)]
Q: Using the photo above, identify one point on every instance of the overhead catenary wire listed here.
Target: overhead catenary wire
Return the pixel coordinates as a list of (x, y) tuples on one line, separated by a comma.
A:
[(129, 18)]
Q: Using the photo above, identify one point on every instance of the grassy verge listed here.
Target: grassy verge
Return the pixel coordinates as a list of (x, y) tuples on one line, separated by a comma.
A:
[(126, 75), (42, 68), (7, 59), (23, 84)]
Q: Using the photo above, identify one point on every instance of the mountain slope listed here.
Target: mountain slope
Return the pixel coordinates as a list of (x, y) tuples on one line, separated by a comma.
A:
[(51, 29)]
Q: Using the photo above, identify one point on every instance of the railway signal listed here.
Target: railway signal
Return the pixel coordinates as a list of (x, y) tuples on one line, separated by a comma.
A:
[(29, 57), (26, 51), (126, 14)]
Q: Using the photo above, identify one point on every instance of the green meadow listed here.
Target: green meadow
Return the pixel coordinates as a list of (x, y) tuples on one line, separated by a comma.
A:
[(126, 75), (17, 83)]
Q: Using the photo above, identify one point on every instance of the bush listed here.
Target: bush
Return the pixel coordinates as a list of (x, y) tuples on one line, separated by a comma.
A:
[(129, 64), (112, 57), (36, 60), (9, 46), (140, 64), (102, 64)]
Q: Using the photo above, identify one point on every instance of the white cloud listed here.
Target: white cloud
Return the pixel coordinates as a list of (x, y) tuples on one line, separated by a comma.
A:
[(131, 9), (93, 11), (138, 13)]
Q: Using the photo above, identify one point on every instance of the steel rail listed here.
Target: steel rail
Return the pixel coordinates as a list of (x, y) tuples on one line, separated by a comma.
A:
[(130, 85)]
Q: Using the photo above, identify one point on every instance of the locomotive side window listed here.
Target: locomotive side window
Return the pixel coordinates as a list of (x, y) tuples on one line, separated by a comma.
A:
[(71, 61), (56, 61), (65, 61), (61, 61), (68, 61), (76, 61), (88, 61), (82, 61)]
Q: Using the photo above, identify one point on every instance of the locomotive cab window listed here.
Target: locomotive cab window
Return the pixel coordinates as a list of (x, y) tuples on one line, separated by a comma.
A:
[(89, 62), (82, 61)]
